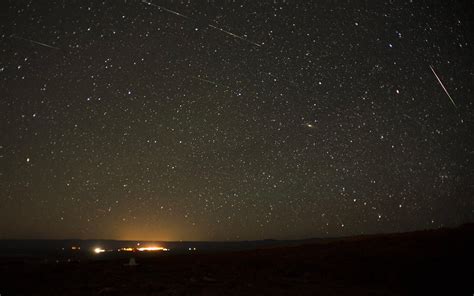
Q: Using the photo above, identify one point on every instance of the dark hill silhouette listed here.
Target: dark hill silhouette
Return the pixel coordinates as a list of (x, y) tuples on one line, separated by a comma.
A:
[(432, 262)]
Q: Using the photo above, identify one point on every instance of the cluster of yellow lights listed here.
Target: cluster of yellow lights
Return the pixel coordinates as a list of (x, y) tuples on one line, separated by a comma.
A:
[(143, 249), (150, 249), (128, 249)]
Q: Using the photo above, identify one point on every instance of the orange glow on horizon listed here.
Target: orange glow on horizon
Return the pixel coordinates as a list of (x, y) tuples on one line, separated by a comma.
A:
[(170, 230)]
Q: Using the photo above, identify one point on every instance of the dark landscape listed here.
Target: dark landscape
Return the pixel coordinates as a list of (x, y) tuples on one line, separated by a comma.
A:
[(434, 262)]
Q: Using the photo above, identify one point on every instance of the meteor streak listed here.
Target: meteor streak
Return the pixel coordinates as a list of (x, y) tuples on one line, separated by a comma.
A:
[(35, 42), (209, 25), (166, 9), (442, 85), (205, 80), (234, 35)]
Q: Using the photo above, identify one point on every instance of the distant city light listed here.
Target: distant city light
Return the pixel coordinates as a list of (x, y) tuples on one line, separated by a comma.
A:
[(99, 250), (143, 249), (133, 249), (126, 249)]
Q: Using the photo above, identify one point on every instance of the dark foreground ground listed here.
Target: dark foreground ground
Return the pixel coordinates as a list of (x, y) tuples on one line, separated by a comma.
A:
[(436, 262)]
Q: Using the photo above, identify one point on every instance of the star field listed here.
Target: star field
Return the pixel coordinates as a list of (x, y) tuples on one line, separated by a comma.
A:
[(232, 120)]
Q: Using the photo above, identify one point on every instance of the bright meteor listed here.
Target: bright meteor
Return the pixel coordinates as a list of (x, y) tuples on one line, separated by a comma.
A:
[(442, 85), (165, 9), (234, 35)]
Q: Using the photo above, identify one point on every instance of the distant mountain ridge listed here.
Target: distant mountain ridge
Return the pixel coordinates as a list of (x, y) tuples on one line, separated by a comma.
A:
[(21, 246)]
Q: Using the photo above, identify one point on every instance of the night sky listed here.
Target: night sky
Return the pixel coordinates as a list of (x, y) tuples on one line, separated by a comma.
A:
[(223, 120)]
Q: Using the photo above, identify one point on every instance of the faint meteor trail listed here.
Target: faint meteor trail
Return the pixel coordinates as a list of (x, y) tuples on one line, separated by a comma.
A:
[(209, 25), (35, 42), (234, 35), (218, 85), (442, 85), (205, 80), (166, 9), (212, 82)]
